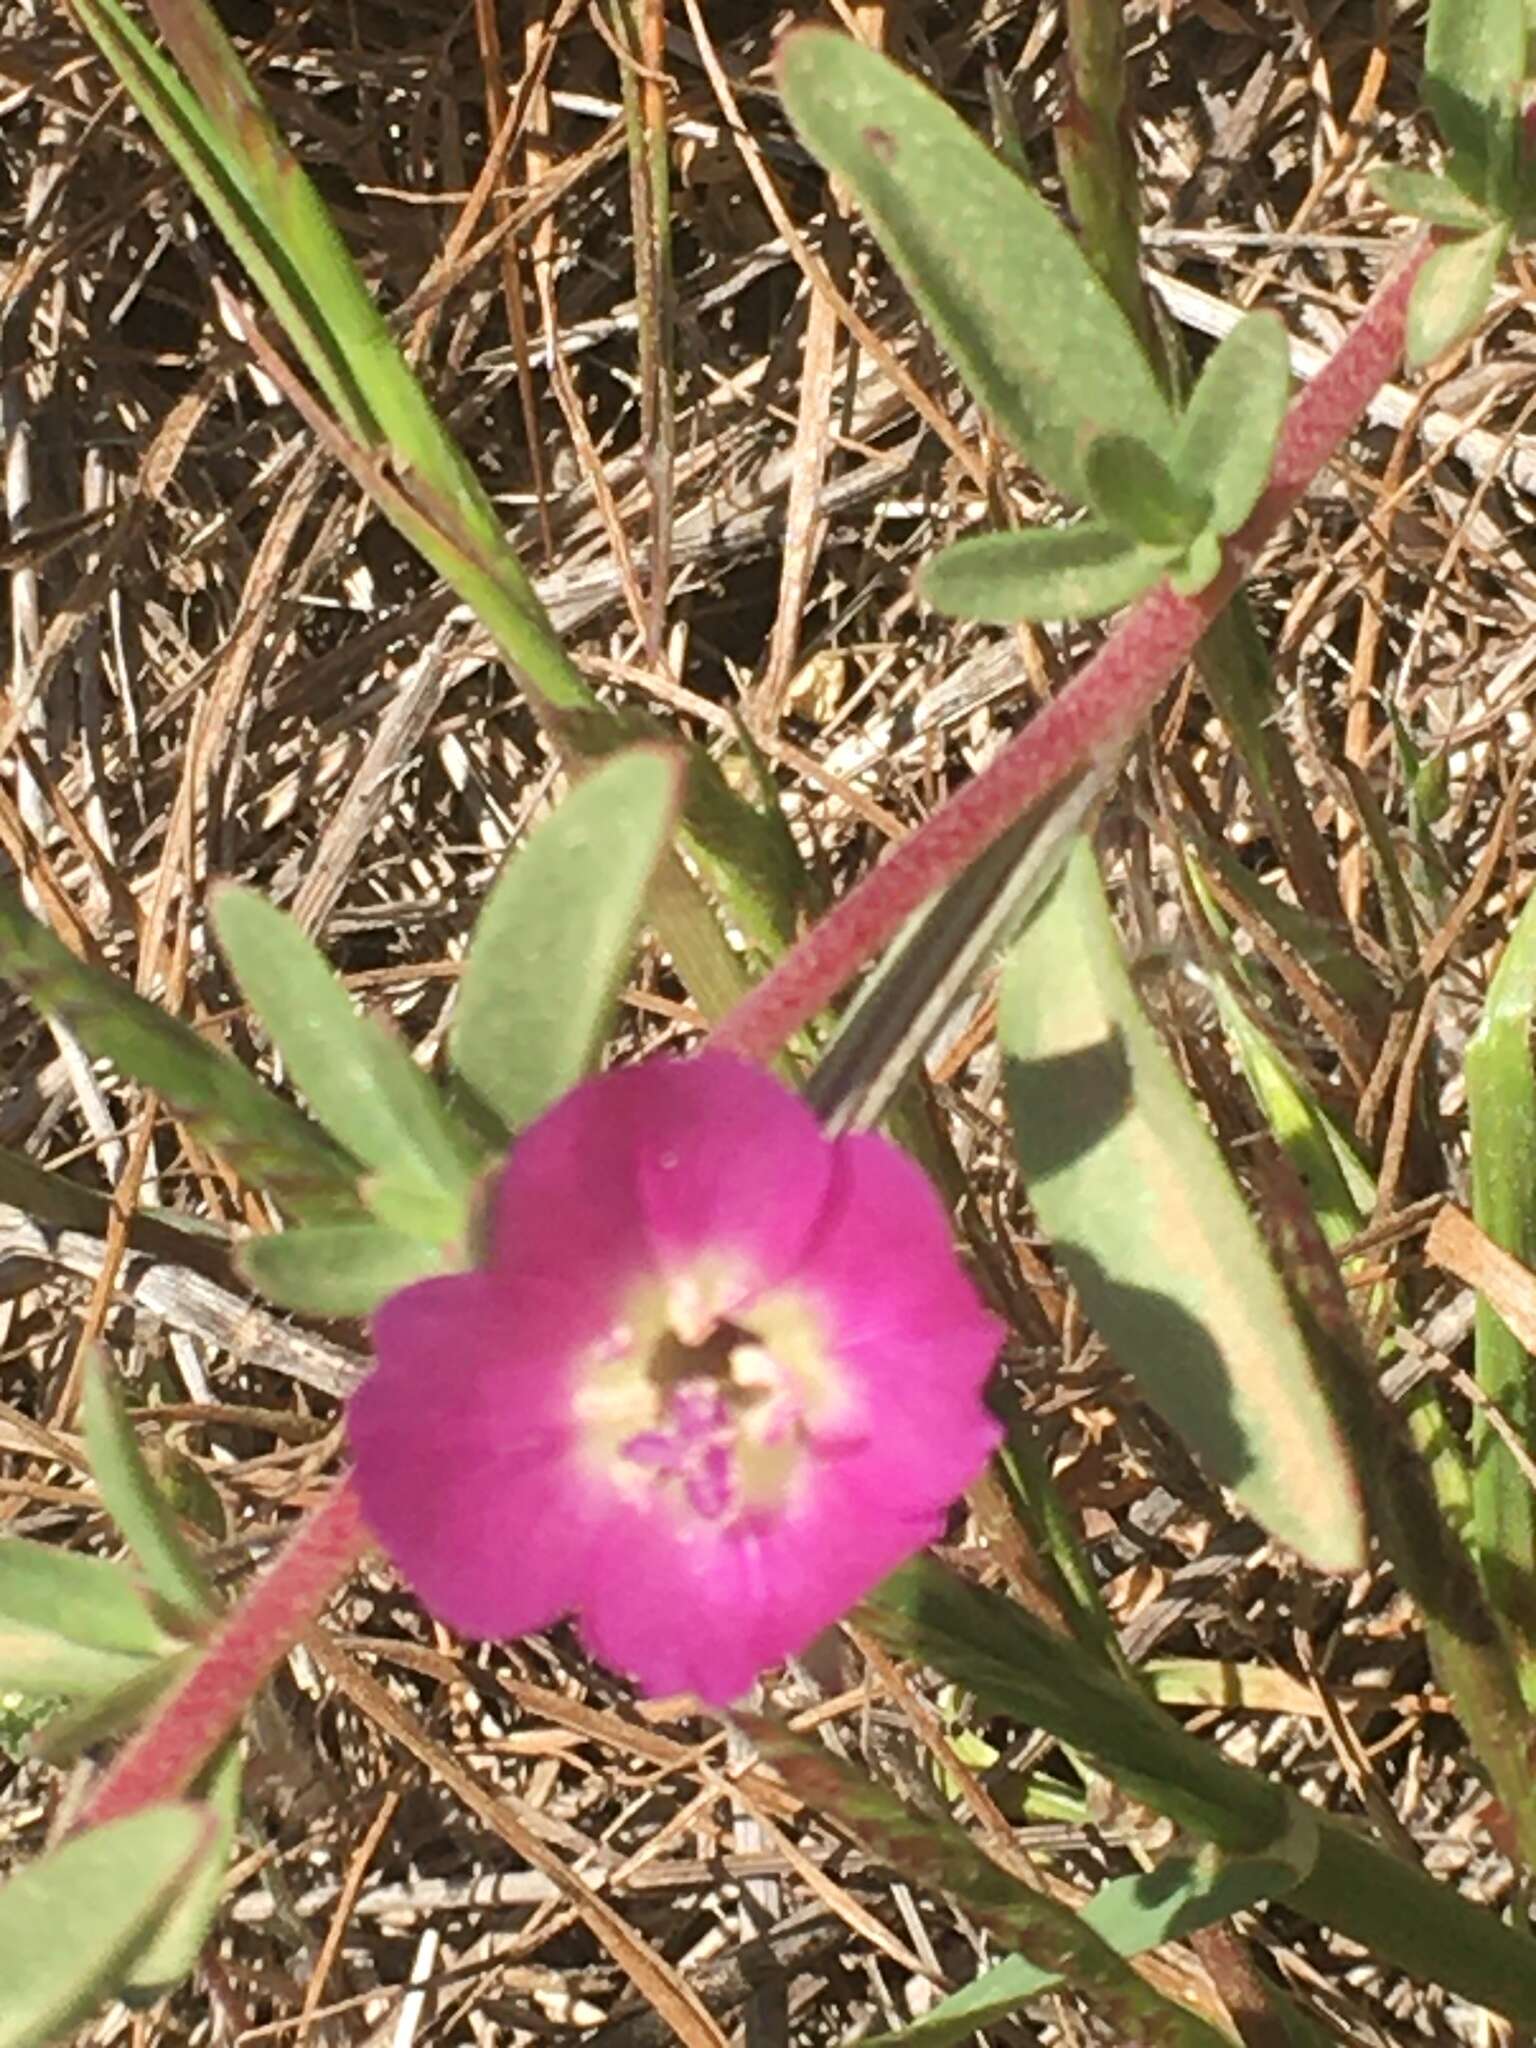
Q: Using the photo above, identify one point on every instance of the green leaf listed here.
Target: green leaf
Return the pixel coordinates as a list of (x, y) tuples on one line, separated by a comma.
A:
[(70, 1624), (556, 935), (343, 1269), (174, 1947), (1501, 1110), (748, 853), (135, 1502), (1127, 1181), (358, 1078), (1133, 1914), (1228, 433), (1452, 293), (71, 1923), (905, 1002), (1198, 566), (1474, 64), (1022, 1672), (1135, 492), (1035, 334), (1051, 572), (1340, 1190), (100, 1715), (270, 1144), (1427, 196)]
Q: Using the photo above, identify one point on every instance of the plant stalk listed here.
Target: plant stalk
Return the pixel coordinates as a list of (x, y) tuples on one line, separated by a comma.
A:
[(182, 1736)]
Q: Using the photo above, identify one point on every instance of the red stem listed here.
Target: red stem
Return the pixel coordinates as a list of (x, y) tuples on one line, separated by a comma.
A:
[(1096, 710), (189, 1727)]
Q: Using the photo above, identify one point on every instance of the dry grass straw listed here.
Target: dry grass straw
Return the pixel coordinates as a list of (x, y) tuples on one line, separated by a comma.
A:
[(221, 662)]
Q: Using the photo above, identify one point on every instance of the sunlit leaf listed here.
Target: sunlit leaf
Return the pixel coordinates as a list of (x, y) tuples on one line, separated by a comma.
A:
[(940, 1856), (100, 1714), (1133, 1914), (1035, 334), (134, 1501), (69, 1624), (1228, 433), (1501, 1110), (173, 1948), (925, 972), (356, 1075), (1474, 63), (345, 1269), (1127, 1181), (1452, 292), (1018, 1670), (71, 1923), (1198, 566), (266, 1140), (1427, 196), (556, 935), (1135, 492), (1049, 572)]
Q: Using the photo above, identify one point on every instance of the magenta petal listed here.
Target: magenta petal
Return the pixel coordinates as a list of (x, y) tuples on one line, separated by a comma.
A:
[(567, 1210), (461, 1437), (902, 1312), (659, 1165), (711, 1614), (698, 1615), (486, 1480), (730, 1161)]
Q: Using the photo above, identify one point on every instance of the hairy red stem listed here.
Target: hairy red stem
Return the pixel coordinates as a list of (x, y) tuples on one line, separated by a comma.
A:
[(190, 1725), (1095, 711)]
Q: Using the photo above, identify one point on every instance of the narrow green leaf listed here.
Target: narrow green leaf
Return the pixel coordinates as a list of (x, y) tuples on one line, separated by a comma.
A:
[(102, 1713), (1133, 1914), (1501, 1111), (1035, 334), (1474, 63), (268, 1142), (556, 934), (749, 854), (1228, 433), (344, 1269), (1452, 293), (261, 201), (1341, 1192), (71, 1923), (82, 1600), (1427, 196), (44, 1665), (1128, 1183), (1136, 493), (357, 1077), (133, 1500), (174, 1947), (1051, 572)]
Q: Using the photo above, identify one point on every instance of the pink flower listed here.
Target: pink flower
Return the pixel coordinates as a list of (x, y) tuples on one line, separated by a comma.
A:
[(717, 1376)]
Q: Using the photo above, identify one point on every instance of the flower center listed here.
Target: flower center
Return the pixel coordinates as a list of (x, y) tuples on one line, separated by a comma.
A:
[(727, 1431)]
